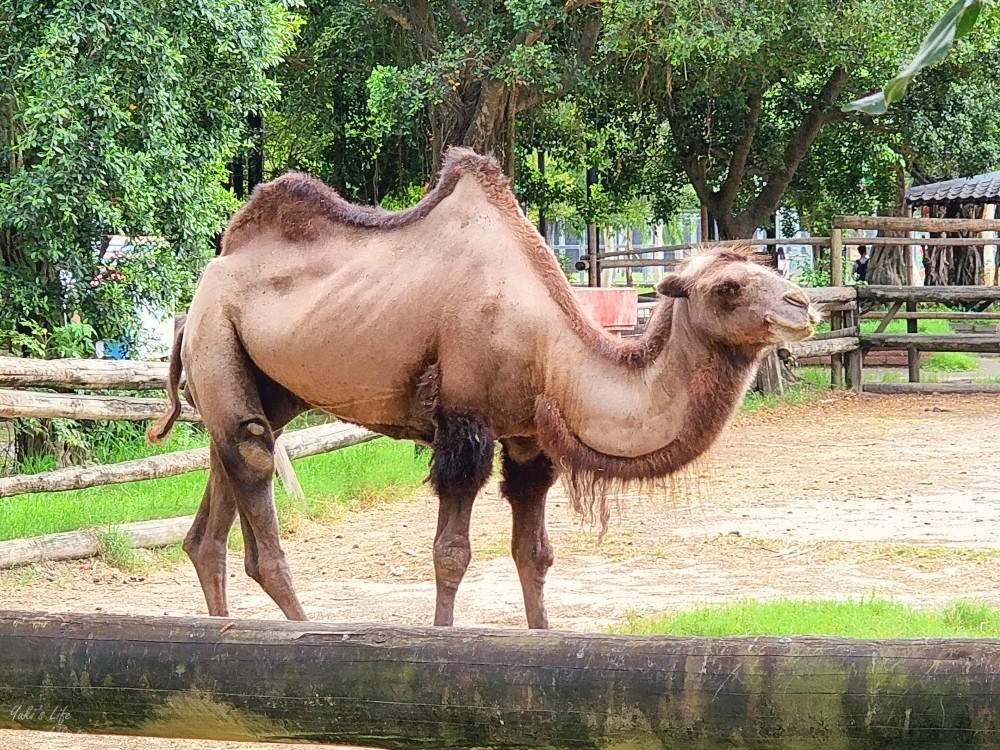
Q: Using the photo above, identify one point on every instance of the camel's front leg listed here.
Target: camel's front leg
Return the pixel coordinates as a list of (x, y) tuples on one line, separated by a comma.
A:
[(527, 476), (460, 466)]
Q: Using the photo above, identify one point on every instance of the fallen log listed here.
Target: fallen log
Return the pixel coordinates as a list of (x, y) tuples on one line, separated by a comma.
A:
[(76, 545), (87, 374), (35, 405), (298, 443), (391, 687)]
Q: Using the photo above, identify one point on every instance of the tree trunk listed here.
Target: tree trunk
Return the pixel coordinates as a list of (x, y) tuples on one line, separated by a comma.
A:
[(938, 259), (967, 262), (479, 116), (887, 263)]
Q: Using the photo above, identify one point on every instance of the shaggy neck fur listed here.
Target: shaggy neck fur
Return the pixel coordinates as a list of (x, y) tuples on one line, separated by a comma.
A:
[(706, 381)]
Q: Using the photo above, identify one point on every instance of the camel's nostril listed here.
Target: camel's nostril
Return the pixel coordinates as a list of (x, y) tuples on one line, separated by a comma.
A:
[(797, 299)]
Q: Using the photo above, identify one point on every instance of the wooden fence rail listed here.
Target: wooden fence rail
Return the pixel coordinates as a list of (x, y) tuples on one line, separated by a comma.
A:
[(83, 374), (410, 688), (934, 294), (35, 405), (310, 441)]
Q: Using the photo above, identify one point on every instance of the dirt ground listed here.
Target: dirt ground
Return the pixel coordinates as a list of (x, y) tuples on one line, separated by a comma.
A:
[(851, 496)]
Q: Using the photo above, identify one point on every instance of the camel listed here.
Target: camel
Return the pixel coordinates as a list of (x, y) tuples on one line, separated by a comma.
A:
[(452, 325)]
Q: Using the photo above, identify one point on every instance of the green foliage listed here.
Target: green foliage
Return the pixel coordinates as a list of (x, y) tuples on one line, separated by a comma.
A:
[(816, 275), (119, 118), (794, 395), (749, 90), (957, 21), (73, 339), (867, 618), (950, 362)]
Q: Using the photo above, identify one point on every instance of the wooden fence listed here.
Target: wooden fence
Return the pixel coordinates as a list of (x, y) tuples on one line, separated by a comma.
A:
[(833, 247), (393, 687), (846, 345), (18, 375)]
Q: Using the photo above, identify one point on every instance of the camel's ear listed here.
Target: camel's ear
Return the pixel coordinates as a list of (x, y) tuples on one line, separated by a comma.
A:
[(672, 285)]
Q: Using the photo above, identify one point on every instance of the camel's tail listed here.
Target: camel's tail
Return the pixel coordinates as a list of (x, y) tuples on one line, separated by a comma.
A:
[(162, 426)]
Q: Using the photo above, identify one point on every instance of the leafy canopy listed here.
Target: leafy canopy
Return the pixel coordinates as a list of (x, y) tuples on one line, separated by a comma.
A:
[(119, 117)]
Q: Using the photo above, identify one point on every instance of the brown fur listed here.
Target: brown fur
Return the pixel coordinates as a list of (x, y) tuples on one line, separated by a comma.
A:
[(299, 206)]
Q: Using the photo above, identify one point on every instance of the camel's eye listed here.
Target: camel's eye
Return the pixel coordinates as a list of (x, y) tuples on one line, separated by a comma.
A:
[(728, 288)]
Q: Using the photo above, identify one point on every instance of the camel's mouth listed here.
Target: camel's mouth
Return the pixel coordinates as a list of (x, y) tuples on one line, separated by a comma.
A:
[(789, 331)]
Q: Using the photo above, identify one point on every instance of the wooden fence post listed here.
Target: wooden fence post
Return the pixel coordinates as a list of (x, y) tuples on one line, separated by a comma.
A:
[(912, 355), (836, 318)]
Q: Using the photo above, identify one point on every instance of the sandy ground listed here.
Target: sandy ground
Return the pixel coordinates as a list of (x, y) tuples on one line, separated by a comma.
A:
[(848, 497)]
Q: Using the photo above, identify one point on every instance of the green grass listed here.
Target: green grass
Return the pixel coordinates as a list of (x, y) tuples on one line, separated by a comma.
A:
[(868, 618), (117, 551), (379, 470), (897, 326), (794, 395), (950, 362), (815, 375)]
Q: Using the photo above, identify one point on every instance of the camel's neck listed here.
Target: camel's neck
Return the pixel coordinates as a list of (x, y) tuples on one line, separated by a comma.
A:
[(672, 407)]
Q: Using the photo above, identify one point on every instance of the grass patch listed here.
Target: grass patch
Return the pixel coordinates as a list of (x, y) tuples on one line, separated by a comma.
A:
[(897, 326), (815, 375), (118, 552), (950, 362), (381, 470), (793, 396), (867, 618)]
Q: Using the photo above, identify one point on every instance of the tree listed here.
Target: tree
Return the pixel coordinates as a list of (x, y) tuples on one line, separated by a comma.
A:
[(748, 89), (475, 67), (323, 123), (119, 118)]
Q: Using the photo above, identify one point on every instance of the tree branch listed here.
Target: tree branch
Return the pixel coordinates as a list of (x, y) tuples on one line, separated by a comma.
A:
[(585, 48), (396, 15), (818, 115), (741, 151), (458, 17), (572, 5), (422, 23)]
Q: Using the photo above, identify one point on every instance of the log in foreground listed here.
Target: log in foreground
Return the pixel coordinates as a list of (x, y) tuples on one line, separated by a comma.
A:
[(310, 441), (92, 374), (424, 687)]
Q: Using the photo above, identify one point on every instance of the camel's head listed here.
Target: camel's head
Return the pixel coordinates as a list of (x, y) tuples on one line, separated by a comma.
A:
[(732, 299)]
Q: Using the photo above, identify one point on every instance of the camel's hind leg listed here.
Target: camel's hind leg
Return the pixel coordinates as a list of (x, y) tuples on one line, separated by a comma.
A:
[(460, 466), (230, 404), (205, 542), (527, 476)]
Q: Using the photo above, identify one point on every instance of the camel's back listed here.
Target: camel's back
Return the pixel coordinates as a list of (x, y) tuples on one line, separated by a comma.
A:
[(351, 316)]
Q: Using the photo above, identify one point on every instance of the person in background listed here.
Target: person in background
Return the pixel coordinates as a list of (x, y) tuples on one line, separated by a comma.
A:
[(779, 261), (860, 268)]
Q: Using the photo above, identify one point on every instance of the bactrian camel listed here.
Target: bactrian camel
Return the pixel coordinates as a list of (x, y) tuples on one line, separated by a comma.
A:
[(451, 324)]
